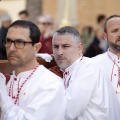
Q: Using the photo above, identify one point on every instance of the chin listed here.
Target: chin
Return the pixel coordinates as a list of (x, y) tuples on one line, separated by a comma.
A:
[(14, 64), (62, 67)]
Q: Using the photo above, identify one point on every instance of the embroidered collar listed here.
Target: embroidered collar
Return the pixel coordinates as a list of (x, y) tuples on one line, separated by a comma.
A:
[(67, 74), (22, 74), (71, 67), (20, 86)]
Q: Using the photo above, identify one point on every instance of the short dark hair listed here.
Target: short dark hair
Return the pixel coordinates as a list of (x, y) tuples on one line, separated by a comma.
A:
[(100, 18), (34, 30), (24, 12), (69, 30), (112, 16)]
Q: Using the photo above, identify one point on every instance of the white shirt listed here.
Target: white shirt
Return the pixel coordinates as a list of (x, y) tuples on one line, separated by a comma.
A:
[(109, 68), (41, 98), (90, 96)]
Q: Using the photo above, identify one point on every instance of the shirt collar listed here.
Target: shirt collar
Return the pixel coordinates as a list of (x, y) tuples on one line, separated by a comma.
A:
[(112, 55), (70, 69), (22, 74)]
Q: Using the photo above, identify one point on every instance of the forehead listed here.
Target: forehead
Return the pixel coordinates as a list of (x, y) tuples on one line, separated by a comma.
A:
[(113, 22), (18, 32), (63, 39)]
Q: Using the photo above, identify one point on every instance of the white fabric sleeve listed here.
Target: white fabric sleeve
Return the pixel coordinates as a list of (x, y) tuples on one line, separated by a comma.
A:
[(45, 56), (48, 103)]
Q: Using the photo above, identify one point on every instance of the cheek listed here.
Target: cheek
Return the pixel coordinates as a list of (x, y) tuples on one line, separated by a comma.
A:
[(27, 52), (7, 51), (55, 52), (111, 38)]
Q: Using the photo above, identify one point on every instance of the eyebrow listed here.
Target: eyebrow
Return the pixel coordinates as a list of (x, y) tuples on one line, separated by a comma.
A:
[(20, 39)]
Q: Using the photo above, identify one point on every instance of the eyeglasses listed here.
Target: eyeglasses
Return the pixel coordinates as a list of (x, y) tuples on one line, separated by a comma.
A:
[(18, 43)]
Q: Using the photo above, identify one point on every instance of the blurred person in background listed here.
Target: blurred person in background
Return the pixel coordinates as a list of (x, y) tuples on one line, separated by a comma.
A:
[(101, 18), (45, 24), (87, 36), (5, 23), (97, 46), (23, 15)]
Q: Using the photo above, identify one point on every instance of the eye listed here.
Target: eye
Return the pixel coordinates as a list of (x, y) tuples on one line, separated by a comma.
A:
[(55, 46), (8, 40), (114, 30), (19, 41), (65, 46)]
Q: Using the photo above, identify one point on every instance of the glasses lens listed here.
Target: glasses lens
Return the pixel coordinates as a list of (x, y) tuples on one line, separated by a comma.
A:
[(7, 42), (19, 44)]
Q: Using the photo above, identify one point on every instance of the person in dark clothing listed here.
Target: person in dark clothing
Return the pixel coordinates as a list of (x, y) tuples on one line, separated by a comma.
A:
[(94, 48), (5, 23), (98, 45)]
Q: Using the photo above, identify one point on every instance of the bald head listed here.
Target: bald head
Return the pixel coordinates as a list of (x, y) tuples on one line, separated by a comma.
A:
[(110, 19)]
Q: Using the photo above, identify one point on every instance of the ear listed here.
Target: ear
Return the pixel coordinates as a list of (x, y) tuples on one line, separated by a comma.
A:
[(37, 47), (105, 36), (80, 48)]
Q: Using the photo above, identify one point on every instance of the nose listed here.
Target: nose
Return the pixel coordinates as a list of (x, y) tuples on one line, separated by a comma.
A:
[(119, 33), (60, 51), (12, 47)]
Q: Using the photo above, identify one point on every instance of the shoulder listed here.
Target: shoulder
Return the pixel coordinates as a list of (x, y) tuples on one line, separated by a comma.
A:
[(85, 67), (86, 63), (47, 76), (2, 76), (100, 60), (88, 66), (100, 57), (56, 70)]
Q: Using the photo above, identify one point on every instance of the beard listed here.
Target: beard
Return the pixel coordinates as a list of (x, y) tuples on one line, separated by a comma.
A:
[(114, 46)]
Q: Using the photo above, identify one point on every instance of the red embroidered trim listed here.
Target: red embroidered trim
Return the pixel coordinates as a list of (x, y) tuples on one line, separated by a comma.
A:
[(118, 84), (19, 88), (67, 73)]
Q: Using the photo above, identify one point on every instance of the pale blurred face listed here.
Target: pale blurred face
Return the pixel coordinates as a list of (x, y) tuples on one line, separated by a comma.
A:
[(113, 33), (20, 57), (42, 24), (6, 24), (65, 50), (23, 17)]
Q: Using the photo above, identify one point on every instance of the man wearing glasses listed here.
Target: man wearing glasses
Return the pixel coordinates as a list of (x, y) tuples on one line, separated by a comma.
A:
[(33, 92)]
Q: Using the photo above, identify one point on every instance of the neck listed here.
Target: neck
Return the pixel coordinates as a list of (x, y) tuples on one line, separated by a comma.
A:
[(26, 67), (115, 52)]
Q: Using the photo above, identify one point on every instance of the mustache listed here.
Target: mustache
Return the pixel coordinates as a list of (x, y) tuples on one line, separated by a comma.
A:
[(118, 39), (12, 54), (60, 57)]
